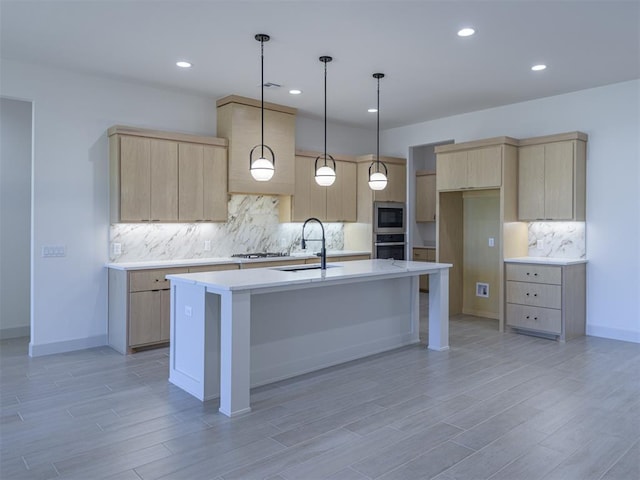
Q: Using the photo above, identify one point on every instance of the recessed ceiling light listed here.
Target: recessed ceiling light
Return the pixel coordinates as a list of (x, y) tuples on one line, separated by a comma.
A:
[(295, 91), (539, 67), (372, 110), (183, 64), (466, 32)]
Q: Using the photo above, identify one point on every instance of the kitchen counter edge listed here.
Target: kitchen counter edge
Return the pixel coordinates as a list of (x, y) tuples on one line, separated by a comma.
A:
[(192, 262), (546, 260)]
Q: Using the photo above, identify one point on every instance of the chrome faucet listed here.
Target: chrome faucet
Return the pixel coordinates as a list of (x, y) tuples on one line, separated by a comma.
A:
[(323, 251)]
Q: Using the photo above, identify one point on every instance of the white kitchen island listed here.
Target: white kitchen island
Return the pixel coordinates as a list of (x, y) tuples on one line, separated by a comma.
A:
[(232, 330)]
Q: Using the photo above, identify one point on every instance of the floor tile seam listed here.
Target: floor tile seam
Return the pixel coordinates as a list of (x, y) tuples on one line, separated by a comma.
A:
[(631, 445)]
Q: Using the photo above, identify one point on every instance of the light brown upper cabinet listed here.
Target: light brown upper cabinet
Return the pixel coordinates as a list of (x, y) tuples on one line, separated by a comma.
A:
[(238, 120), (166, 177), (202, 187), (148, 179), (425, 196), (552, 177), (336, 203), (395, 191), (475, 166)]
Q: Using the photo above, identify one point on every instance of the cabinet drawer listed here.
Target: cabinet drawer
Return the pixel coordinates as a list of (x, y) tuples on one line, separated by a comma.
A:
[(534, 318), (535, 294), (144, 280), (213, 268), (534, 273), (424, 254)]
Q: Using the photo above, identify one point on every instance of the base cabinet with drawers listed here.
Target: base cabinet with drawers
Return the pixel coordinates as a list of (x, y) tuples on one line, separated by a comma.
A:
[(139, 305), (546, 299)]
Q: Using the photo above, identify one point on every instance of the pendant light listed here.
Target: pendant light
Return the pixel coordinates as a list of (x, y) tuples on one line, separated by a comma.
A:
[(325, 174), (262, 168), (378, 177)]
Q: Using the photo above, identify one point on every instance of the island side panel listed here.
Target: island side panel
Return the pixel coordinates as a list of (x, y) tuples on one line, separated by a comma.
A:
[(439, 310), (194, 358), (295, 332)]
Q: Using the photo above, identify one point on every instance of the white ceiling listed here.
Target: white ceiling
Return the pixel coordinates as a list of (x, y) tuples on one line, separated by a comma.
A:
[(430, 71)]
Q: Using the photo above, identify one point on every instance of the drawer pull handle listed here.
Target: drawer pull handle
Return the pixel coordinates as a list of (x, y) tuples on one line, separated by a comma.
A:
[(535, 318), (528, 274), (527, 317), (535, 294), (527, 294), (535, 274)]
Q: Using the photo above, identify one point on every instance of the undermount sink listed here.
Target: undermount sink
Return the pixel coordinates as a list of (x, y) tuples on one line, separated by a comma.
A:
[(298, 268)]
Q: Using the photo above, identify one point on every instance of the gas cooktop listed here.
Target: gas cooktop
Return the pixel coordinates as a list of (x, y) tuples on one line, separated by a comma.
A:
[(260, 255)]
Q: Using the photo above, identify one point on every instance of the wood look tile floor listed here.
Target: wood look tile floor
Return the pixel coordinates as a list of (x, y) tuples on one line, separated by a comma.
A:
[(496, 406)]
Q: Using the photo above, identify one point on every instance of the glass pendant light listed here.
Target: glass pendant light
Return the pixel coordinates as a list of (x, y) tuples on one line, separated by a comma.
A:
[(262, 169), (377, 169), (325, 174)]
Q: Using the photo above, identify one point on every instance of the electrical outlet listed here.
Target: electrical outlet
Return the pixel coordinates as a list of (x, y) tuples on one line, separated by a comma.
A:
[(54, 251), (187, 311), (482, 290), (116, 248), (540, 244), (492, 242), (207, 245)]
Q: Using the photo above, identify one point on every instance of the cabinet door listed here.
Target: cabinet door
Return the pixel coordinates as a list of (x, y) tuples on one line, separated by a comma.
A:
[(190, 182), (144, 318), (451, 170), (425, 198), (215, 184), (309, 198), (135, 186), (341, 196), (164, 180), (484, 167), (558, 181), (396, 189), (531, 175)]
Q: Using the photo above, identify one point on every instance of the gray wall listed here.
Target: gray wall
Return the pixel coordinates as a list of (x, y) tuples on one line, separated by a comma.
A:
[(15, 216)]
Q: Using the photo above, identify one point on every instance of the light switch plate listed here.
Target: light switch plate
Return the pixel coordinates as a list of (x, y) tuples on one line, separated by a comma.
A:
[(492, 242), (54, 251)]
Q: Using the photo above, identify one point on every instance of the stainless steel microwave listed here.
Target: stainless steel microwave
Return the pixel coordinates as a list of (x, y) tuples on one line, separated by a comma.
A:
[(389, 217)]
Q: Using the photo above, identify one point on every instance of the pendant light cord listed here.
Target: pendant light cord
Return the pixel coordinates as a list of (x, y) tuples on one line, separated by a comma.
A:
[(325, 114), (262, 97), (378, 131)]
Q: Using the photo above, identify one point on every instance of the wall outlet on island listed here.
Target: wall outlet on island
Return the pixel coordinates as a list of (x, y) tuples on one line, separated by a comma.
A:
[(207, 245)]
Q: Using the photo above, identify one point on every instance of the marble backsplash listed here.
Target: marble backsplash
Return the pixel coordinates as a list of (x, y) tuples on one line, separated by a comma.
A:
[(252, 226), (559, 239)]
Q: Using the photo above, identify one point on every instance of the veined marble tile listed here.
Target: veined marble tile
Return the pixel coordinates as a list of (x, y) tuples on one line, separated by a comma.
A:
[(559, 239), (252, 226)]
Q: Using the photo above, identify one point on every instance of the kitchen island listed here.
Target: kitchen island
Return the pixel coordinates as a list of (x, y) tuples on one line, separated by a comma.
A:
[(232, 330)]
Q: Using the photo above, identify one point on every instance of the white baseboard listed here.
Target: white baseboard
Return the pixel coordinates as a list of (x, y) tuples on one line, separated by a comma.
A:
[(66, 346), (14, 332), (613, 333)]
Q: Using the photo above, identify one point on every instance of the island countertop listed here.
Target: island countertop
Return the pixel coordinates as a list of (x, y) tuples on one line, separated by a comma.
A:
[(270, 277)]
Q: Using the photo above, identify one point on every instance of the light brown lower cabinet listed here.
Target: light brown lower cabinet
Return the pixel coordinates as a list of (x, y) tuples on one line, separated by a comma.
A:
[(342, 258), (140, 305), (424, 255), (546, 300)]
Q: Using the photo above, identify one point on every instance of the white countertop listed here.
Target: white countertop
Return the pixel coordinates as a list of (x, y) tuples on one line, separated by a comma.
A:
[(358, 270), (192, 262), (546, 260)]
